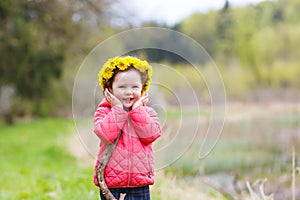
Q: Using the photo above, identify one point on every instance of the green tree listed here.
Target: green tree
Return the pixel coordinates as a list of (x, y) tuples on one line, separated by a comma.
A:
[(35, 37), (33, 40), (201, 27), (224, 27)]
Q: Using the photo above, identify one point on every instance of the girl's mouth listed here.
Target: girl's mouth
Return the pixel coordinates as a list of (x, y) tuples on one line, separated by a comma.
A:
[(128, 100)]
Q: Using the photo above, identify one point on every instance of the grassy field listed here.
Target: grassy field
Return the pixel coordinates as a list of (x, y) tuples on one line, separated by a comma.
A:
[(36, 165), (35, 161), (257, 143)]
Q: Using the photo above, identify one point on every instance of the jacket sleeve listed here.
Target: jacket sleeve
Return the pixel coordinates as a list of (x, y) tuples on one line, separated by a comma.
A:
[(108, 122), (146, 124)]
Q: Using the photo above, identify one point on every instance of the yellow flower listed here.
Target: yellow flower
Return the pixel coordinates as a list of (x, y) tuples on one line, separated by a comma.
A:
[(122, 64)]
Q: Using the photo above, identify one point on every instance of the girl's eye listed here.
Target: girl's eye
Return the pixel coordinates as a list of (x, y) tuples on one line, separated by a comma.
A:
[(121, 86), (135, 87)]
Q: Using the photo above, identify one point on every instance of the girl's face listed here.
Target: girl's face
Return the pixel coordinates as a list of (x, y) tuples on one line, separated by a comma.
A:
[(127, 87)]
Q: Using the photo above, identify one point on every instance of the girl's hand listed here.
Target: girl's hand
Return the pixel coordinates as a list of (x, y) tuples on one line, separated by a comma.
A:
[(141, 102), (112, 100)]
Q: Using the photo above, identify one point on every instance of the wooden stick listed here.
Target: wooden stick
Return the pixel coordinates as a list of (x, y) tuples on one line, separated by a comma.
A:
[(100, 170)]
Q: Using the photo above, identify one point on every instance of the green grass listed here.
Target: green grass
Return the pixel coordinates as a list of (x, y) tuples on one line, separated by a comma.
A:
[(231, 155), (35, 164), (251, 146), (238, 155)]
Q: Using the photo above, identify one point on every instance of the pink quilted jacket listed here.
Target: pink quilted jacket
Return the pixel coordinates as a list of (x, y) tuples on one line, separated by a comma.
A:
[(131, 164)]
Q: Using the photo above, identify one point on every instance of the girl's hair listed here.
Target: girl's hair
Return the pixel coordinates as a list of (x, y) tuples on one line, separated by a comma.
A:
[(117, 64)]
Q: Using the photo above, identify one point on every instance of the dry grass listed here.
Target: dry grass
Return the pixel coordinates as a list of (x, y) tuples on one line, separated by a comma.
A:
[(169, 187)]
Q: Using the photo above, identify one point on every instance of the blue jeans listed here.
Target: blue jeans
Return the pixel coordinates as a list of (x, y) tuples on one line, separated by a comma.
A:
[(136, 193)]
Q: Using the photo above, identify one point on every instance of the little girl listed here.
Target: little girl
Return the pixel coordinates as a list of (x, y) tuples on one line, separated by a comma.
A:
[(130, 170)]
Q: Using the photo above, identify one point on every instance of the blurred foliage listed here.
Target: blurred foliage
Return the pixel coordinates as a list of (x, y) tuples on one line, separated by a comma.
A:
[(43, 42), (256, 44), (262, 39), (33, 44), (35, 38)]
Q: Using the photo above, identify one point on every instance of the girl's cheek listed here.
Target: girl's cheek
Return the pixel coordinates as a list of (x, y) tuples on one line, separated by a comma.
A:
[(137, 94)]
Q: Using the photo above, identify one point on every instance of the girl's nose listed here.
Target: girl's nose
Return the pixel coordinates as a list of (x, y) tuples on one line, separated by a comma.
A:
[(128, 91)]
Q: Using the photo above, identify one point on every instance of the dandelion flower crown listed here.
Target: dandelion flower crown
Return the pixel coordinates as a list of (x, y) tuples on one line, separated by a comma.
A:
[(109, 68)]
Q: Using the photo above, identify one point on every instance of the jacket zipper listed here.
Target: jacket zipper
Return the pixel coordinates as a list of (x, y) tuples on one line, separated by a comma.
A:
[(129, 152)]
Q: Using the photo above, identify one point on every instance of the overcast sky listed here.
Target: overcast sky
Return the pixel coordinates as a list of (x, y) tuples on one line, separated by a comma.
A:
[(171, 12)]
